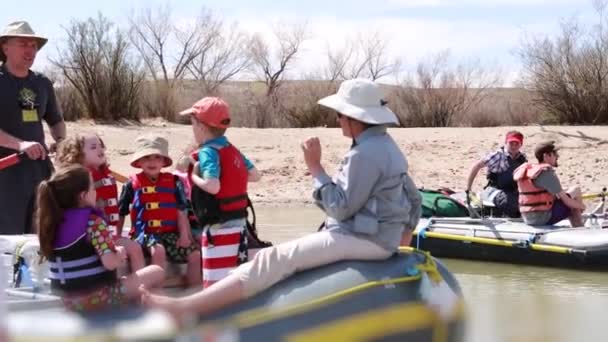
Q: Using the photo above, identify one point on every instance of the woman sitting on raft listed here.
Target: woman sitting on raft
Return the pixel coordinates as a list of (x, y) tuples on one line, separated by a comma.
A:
[(371, 204)]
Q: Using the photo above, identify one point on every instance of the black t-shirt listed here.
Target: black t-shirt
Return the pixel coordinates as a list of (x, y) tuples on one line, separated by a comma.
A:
[(24, 103)]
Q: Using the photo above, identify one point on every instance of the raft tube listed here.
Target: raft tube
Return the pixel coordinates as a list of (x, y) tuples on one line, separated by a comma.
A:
[(513, 241), (410, 296)]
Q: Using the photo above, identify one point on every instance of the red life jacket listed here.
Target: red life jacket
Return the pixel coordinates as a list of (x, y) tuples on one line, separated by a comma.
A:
[(107, 194), (231, 201), (154, 207), (531, 197)]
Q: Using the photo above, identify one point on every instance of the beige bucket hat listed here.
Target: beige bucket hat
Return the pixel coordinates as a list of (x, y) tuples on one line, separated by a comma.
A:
[(147, 145), (19, 29), (362, 100)]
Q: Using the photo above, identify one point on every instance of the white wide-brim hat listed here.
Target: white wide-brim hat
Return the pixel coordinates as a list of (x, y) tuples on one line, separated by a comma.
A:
[(19, 29), (362, 100)]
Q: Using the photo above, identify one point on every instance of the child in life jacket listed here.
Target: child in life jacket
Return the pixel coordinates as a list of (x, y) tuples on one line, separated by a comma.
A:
[(88, 150), (219, 196), (157, 205), (79, 247)]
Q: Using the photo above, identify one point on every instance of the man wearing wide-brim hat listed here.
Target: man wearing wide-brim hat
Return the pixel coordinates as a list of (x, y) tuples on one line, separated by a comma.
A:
[(26, 98)]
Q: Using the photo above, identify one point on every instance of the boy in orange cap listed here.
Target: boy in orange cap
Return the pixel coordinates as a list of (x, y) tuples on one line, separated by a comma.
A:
[(219, 196)]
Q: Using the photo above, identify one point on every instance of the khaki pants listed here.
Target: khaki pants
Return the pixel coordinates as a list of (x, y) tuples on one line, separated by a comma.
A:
[(273, 264)]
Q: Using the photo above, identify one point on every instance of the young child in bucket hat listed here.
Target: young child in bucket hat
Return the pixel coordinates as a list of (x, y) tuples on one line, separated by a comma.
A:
[(156, 203), (219, 197)]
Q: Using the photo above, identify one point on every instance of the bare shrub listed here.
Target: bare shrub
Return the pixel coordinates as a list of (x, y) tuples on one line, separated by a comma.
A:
[(568, 73), (250, 107), (223, 55), (366, 55), (96, 63), (300, 106), (438, 92), (269, 65), (69, 103), (168, 51), (501, 107)]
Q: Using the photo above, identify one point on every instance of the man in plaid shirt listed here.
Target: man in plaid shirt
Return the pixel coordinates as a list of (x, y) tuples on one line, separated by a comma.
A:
[(501, 188)]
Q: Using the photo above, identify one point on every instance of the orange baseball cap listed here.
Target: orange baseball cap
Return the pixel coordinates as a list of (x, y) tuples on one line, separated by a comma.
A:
[(211, 111)]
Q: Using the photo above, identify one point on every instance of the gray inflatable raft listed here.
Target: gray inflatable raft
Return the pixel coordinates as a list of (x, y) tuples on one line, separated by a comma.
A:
[(509, 240), (410, 296)]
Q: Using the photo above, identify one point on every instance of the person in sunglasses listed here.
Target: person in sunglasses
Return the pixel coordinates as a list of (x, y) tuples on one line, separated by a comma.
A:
[(542, 200)]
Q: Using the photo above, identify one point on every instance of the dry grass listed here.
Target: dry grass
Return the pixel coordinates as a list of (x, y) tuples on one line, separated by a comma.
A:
[(294, 105)]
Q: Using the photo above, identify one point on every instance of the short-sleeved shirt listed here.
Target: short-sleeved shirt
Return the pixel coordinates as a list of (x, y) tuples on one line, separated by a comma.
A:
[(24, 103), (549, 181), (127, 195), (209, 158), (498, 161)]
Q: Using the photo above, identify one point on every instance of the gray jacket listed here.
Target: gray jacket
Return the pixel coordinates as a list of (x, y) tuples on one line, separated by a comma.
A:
[(371, 195)]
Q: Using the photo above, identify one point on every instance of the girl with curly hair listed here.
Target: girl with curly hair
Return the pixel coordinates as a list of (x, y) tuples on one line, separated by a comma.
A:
[(88, 150)]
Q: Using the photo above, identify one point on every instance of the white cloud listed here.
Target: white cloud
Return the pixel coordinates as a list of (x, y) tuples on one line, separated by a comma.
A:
[(410, 39), (482, 3)]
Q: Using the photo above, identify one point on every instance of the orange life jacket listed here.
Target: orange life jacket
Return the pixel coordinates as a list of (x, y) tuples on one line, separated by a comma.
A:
[(107, 194), (154, 207), (531, 197)]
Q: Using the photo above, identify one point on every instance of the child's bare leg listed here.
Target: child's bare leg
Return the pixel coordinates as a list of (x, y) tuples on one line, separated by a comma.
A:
[(134, 252), (149, 276), (194, 269), (158, 256)]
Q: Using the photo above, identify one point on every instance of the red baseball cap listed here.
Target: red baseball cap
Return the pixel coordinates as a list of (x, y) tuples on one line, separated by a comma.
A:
[(515, 136), (211, 111)]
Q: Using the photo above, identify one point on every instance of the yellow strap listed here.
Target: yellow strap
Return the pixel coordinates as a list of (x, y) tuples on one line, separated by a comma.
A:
[(495, 242), (430, 268), (592, 196), (258, 316), (148, 189), (154, 223), (397, 319), (152, 205)]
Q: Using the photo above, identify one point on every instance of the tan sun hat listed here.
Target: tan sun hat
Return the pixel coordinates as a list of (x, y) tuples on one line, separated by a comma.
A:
[(19, 29), (362, 100), (147, 145)]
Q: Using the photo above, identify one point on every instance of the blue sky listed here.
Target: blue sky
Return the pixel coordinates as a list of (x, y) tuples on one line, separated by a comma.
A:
[(487, 30)]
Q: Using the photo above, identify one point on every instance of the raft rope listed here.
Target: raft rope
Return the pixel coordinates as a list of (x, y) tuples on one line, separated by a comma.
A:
[(528, 243), (259, 316)]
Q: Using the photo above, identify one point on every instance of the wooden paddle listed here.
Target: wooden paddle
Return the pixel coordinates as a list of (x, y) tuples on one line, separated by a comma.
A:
[(119, 178)]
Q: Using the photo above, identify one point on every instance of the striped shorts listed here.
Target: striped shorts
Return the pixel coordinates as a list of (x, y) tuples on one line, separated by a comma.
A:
[(223, 248)]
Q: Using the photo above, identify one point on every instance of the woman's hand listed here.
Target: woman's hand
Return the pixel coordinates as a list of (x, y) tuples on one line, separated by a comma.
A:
[(312, 155)]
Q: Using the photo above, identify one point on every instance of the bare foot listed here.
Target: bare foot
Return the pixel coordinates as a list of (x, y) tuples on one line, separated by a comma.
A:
[(172, 305)]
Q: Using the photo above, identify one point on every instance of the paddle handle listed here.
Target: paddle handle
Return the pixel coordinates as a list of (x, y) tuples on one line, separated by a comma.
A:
[(11, 160), (120, 178)]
